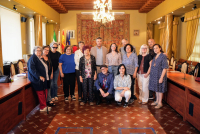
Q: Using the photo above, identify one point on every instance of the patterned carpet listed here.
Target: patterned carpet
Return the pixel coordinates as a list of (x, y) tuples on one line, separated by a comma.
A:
[(71, 118)]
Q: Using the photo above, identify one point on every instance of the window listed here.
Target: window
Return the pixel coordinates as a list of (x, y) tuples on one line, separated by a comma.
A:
[(195, 56), (44, 33), (32, 35), (11, 35)]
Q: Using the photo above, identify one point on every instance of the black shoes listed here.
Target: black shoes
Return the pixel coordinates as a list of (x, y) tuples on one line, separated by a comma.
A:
[(98, 102), (125, 104)]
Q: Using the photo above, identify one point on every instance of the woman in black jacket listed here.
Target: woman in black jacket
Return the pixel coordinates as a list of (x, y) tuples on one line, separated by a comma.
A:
[(144, 63), (47, 61), (38, 75), (87, 68)]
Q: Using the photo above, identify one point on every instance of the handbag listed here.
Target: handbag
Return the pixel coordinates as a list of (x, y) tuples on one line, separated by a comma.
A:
[(197, 79), (4, 79)]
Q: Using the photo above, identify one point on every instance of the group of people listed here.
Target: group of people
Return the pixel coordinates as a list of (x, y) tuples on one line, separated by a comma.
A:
[(105, 74)]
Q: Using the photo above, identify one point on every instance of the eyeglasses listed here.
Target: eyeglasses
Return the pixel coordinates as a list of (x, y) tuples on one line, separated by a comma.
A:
[(46, 50), (55, 47)]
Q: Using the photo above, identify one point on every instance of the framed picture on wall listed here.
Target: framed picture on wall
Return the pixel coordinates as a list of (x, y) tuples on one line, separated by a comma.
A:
[(136, 32), (72, 34)]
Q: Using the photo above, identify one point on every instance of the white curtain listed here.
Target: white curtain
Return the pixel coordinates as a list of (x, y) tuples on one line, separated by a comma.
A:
[(11, 35), (195, 56), (32, 35)]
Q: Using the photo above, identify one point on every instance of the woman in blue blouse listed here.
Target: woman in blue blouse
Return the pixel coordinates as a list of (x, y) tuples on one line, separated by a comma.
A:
[(67, 71), (130, 60)]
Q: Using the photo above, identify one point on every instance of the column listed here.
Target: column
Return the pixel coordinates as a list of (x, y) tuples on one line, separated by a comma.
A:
[(149, 31), (38, 30), (1, 54), (168, 35)]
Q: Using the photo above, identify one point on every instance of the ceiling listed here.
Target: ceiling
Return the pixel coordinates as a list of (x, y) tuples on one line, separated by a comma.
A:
[(62, 6)]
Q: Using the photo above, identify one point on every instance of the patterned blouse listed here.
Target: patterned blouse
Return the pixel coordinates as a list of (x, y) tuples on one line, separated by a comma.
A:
[(130, 63), (119, 82), (88, 70), (115, 60)]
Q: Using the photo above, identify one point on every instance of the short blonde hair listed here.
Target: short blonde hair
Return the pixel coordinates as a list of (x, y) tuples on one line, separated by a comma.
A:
[(144, 46)]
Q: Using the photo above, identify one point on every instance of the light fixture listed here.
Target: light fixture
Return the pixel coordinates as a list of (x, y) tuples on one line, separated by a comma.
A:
[(172, 12), (14, 7), (161, 17), (24, 7), (195, 6), (183, 6), (103, 16), (158, 22), (8, 0), (56, 22), (51, 20), (34, 12), (47, 21)]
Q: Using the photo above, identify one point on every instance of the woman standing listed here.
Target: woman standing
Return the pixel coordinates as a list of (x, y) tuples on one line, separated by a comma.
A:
[(130, 60), (113, 59), (122, 85), (78, 55), (67, 71), (87, 68), (144, 62), (47, 61), (158, 76), (54, 56), (38, 75)]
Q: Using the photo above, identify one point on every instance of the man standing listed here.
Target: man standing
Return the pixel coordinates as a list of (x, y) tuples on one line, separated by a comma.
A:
[(104, 85), (99, 52), (151, 43), (124, 42)]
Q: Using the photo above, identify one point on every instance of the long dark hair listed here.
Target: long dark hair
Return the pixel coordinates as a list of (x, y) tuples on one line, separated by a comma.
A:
[(120, 67), (159, 47), (116, 50), (49, 59)]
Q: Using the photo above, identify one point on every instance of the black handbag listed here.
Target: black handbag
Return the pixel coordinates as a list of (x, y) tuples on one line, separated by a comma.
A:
[(4, 79)]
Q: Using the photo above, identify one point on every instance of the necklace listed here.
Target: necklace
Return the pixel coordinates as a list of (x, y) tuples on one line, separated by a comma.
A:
[(155, 60)]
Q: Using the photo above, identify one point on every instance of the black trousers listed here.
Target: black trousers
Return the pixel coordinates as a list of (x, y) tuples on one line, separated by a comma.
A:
[(87, 89), (98, 97), (80, 88), (132, 86), (69, 81)]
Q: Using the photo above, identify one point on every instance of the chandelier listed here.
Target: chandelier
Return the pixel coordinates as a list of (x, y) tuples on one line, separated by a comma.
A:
[(102, 15)]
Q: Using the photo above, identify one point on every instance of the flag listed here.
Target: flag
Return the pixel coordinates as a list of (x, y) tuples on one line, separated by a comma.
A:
[(54, 37), (68, 38), (63, 40)]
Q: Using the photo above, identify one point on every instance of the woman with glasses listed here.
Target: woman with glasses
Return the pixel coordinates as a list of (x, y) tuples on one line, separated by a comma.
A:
[(113, 59), (54, 56), (144, 63), (67, 71), (46, 59)]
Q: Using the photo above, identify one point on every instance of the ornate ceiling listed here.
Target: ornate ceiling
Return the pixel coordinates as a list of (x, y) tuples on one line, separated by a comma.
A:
[(62, 6)]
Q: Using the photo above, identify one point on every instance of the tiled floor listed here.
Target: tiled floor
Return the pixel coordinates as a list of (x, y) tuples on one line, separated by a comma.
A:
[(71, 118)]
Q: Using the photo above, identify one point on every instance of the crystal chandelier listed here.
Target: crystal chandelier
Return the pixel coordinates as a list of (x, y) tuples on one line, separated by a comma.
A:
[(103, 16)]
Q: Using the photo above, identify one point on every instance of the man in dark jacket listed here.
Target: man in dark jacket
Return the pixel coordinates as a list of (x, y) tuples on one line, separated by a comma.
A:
[(104, 85)]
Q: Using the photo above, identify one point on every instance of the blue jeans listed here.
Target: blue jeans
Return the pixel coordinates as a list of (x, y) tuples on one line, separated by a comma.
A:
[(113, 69), (54, 86)]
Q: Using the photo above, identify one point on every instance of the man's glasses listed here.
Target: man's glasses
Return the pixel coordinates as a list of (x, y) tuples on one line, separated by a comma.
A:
[(55, 47)]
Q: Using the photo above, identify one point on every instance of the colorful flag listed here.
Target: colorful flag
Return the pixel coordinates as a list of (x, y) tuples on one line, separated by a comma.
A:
[(54, 37), (68, 38), (63, 40)]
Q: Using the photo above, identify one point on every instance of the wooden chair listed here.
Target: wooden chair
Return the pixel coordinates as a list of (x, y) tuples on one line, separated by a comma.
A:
[(12, 69), (184, 67), (174, 65), (20, 67)]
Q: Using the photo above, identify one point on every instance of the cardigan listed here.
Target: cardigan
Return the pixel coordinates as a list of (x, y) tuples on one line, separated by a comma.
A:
[(147, 59), (82, 66), (35, 70)]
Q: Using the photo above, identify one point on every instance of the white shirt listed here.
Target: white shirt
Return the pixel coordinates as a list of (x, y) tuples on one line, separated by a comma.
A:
[(78, 55), (99, 59)]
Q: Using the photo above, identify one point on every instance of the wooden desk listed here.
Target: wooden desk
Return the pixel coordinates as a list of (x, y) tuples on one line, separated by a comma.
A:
[(12, 95), (181, 94)]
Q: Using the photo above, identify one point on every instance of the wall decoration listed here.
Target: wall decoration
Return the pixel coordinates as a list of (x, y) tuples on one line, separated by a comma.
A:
[(136, 32), (88, 30), (72, 34)]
